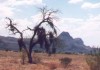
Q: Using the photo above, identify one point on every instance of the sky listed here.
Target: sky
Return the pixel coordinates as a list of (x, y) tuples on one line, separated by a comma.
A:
[(81, 18)]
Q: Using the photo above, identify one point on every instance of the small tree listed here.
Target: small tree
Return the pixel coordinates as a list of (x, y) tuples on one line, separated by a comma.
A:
[(43, 38)]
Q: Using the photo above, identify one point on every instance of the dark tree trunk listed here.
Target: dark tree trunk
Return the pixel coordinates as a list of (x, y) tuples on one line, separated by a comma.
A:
[(30, 58), (30, 52)]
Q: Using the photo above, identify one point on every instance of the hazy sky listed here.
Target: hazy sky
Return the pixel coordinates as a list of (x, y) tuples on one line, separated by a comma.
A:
[(81, 18)]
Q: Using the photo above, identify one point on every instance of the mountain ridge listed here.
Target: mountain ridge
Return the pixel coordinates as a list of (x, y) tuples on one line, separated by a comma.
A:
[(73, 45), (67, 44)]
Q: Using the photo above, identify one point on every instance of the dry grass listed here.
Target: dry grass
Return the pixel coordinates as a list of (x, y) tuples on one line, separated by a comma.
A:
[(12, 61), (93, 62)]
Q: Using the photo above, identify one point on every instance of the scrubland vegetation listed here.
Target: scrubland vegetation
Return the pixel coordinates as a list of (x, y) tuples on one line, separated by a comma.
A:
[(93, 59), (10, 60)]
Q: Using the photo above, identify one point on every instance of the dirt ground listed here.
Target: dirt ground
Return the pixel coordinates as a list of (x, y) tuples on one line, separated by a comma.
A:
[(10, 60)]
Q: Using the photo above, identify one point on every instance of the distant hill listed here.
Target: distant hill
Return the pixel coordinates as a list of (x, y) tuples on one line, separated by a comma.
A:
[(8, 43), (72, 45), (66, 44)]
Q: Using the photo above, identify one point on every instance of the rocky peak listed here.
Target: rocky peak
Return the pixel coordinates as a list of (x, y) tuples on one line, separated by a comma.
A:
[(65, 35), (78, 41), (72, 45)]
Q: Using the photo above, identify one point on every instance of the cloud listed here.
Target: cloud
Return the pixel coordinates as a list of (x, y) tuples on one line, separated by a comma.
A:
[(75, 1), (25, 2), (3, 30), (88, 5), (36, 18), (6, 11), (68, 24), (21, 25), (8, 7), (21, 2), (88, 30)]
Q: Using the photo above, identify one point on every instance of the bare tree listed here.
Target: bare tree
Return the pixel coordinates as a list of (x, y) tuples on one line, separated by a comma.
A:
[(15, 30), (43, 38)]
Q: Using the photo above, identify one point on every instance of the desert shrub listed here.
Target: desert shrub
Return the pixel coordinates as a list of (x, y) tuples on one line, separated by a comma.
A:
[(36, 59), (93, 60), (65, 61)]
